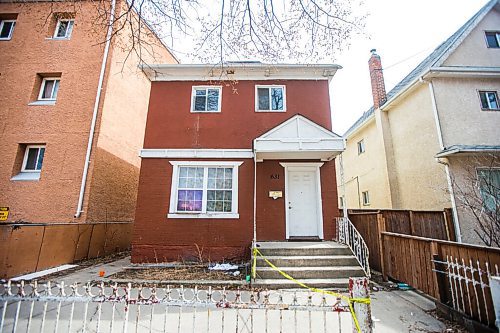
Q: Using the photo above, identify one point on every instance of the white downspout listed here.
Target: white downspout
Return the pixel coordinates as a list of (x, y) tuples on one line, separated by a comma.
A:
[(96, 109), (446, 166), (342, 181)]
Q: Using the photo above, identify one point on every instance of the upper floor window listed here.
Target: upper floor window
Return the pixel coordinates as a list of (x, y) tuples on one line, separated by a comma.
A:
[(270, 98), (489, 188), (366, 198), (206, 99), (33, 158), (6, 29), (489, 100), (63, 29), (493, 39), (49, 88), (361, 147)]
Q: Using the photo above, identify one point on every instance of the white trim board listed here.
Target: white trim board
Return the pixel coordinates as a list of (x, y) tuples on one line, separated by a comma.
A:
[(196, 153)]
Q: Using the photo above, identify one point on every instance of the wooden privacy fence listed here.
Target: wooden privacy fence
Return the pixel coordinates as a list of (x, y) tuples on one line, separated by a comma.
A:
[(33, 247), (371, 223), (463, 267)]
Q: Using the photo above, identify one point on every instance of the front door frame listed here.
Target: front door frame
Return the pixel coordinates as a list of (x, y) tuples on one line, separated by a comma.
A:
[(313, 166)]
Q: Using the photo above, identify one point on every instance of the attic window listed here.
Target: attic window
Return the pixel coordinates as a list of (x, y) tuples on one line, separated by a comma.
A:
[(493, 39)]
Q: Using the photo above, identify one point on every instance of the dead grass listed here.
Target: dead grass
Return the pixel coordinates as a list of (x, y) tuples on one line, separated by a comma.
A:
[(176, 274)]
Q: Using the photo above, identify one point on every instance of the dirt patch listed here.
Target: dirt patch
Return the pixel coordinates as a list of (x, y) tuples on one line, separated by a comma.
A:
[(176, 274)]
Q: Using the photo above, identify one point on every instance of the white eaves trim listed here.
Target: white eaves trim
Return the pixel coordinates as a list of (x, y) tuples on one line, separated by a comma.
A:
[(239, 71), (196, 153)]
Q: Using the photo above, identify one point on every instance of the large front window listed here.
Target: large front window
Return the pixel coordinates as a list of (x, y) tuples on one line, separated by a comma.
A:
[(204, 189)]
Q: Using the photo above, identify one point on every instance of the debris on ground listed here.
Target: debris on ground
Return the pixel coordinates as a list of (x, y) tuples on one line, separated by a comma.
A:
[(197, 272)]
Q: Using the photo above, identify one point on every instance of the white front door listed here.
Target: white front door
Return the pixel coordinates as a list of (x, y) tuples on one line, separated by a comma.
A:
[(303, 202)]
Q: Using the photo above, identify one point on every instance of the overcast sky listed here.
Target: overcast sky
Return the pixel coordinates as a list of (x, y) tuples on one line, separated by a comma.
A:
[(404, 33)]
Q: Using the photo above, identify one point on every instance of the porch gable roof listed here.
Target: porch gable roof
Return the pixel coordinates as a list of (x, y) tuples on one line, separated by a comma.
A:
[(298, 138)]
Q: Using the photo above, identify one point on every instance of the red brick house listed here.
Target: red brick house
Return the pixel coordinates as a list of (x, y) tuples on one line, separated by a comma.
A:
[(234, 154)]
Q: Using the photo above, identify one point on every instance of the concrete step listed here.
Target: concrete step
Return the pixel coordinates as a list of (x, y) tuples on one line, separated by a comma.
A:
[(308, 261), (302, 249), (335, 284), (311, 272)]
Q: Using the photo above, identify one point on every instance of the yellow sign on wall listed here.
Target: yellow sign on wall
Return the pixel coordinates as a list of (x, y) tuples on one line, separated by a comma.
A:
[(4, 213)]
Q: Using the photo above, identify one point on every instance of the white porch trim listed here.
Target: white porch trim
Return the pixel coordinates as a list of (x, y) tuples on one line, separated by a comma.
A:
[(196, 153), (306, 166)]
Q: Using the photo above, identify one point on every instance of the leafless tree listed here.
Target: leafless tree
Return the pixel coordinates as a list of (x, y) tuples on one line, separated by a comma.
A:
[(304, 31), (477, 192)]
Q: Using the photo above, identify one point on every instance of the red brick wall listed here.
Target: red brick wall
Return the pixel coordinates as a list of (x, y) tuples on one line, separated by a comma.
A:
[(170, 124)]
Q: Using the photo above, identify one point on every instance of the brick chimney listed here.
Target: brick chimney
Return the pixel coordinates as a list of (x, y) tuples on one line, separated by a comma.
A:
[(377, 80)]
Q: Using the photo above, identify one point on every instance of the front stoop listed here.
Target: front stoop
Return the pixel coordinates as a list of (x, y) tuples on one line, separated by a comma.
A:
[(316, 264)]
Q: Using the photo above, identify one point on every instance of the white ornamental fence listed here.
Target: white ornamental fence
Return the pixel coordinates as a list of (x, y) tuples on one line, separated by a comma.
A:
[(50, 307)]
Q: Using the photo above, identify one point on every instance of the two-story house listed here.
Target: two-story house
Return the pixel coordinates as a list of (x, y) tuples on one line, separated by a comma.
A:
[(233, 154), (433, 141), (72, 116)]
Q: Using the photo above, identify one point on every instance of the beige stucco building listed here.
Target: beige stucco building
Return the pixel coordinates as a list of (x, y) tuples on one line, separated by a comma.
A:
[(424, 143), (72, 111)]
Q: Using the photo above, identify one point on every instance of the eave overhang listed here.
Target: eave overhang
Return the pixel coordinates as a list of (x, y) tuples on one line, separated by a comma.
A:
[(298, 138), (467, 150), (239, 71)]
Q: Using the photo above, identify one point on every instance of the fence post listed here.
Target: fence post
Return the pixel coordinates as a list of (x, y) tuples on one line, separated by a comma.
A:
[(359, 288), (439, 283), (380, 229), (448, 222), (412, 227)]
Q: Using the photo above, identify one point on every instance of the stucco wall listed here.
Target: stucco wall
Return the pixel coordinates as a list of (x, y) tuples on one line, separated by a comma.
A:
[(115, 164), (462, 120), (463, 170), (422, 181), (63, 127), (366, 171), (474, 51)]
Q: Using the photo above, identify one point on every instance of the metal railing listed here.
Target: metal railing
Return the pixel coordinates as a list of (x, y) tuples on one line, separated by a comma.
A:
[(58, 307), (349, 235)]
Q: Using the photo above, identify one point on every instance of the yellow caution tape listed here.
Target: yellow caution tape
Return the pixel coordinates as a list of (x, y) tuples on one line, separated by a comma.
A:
[(349, 300)]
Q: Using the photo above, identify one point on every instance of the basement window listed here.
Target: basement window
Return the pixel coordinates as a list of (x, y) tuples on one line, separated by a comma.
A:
[(493, 39), (489, 100), (366, 198), (270, 98), (361, 147), (6, 29), (204, 190)]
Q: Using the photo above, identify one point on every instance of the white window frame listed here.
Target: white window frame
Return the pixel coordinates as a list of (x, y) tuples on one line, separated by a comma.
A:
[(42, 88), (173, 213), (497, 35), (69, 30), (2, 22), (25, 159), (365, 198), (193, 94), (361, 146), (488, 101), (478, 169), (283, 87)]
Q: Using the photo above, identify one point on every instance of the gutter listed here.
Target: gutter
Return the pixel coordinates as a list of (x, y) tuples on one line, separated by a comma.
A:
[(79, 210)]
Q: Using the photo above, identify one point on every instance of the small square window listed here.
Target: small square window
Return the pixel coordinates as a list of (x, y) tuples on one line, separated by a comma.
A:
[(6, 29), (206, 99), (493, 39), (341, 202), (270, 98), (489, 100), (49, 89), (361, 147), (366, 198), (33, 158), (63, 29)]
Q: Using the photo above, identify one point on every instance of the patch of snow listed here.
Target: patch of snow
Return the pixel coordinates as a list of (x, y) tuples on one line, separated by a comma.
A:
[(35, 275), (236, 273), (223, 267)]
